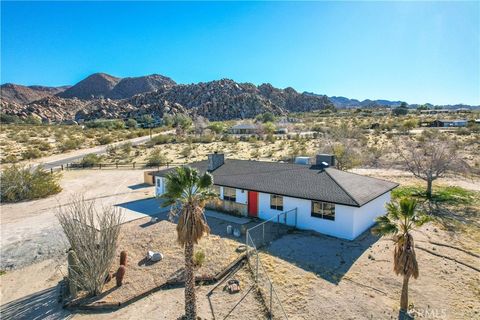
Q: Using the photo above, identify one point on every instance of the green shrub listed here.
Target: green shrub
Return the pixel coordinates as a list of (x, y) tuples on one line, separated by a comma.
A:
[(90, 160), (104, 140), (160, 139), (199, 258), (31, 153), (7, 118), (70, 144), (156, 158), (26, 183)]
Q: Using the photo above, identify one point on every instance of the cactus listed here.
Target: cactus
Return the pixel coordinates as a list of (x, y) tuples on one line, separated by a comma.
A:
[(72, 272), (120, 274), (123, 258)]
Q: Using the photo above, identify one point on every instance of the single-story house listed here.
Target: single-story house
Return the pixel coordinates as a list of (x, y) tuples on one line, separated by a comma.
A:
[(244, 128), (327, 200), (449, 123)]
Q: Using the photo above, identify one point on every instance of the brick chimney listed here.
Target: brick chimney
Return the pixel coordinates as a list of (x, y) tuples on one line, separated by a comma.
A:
[(215, 160), (325, 160)]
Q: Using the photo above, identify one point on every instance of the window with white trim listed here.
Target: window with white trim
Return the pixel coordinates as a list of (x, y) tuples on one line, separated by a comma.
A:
[(229, 194), (323, 210), (276, 202)]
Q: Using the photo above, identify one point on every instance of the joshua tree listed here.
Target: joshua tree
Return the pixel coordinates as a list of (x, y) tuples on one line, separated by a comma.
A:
[(399, 221), (187, 192)]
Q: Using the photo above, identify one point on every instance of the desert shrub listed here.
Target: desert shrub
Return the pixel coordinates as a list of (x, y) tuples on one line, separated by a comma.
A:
[(186, 151), (33, 120), (126, 148), (199, 258), (25, 183), (42, 145), (7, 118), (156, 158), (160, 139), (217, 127), (131, 123), (70, 144), (107, 124), (31, 153), (91, 160), (94, 247), (104, 139)]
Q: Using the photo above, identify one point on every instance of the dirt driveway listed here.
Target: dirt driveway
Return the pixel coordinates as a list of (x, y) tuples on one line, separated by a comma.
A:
[(30, 231)]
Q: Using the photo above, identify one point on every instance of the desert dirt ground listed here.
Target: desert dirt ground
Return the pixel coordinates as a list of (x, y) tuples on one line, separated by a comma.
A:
[(334, 279)]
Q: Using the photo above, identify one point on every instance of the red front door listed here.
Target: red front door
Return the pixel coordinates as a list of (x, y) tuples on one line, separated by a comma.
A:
[(253, 203)]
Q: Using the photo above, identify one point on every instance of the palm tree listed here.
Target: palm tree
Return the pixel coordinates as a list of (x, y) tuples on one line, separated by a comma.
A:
[(187, 192), (400, 220)]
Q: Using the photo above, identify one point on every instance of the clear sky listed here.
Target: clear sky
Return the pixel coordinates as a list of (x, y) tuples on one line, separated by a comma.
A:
[(412, 51)]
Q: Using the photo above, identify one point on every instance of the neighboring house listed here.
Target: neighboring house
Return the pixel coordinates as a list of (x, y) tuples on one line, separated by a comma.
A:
[(244, 128), (449, 123), (327, 200)]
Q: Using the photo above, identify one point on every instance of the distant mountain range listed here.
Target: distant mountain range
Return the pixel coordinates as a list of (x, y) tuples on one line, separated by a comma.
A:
[(104, 96)]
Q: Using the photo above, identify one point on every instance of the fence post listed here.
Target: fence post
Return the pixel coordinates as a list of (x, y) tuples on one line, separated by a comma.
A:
[(116, 165), (51, 170), (100, 166), (62, 167), (134, 165)]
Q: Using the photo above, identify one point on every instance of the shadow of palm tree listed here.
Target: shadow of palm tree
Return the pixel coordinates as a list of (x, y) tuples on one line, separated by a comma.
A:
[(40, 305)]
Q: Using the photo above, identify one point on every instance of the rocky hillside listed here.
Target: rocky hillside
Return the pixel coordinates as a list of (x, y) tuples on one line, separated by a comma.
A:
[(94, 86), (15, 93), (128, 87), (104, 96)]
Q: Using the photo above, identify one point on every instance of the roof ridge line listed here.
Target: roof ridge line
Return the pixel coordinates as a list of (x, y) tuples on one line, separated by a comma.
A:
[(341, 187)]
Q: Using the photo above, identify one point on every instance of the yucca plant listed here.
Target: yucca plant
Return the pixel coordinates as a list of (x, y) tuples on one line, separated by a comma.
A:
[(401, 219), (187, 192)]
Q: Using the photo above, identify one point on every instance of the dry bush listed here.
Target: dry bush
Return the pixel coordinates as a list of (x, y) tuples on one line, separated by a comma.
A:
[(93, 236)]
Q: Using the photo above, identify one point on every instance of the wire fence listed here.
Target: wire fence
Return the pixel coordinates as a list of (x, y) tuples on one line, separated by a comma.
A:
[(106, 166), (257, 237)]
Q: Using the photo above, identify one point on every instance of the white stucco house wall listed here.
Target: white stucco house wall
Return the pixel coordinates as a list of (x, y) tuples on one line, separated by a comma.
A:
[(326, 200)]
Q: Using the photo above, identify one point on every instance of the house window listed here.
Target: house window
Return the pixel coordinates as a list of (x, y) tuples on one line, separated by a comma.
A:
[(276, 202), (158, 182), (229, 194), (323, 210)]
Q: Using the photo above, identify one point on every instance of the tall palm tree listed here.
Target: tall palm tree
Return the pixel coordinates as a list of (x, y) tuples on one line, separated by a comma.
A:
[(400, 220), (187, 192)]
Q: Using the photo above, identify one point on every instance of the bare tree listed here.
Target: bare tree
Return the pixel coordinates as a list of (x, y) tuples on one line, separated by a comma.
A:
[(93, 236), (431, 157), (200, 123)]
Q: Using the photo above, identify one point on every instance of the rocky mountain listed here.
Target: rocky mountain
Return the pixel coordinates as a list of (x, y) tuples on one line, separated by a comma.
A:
[(94, 86), (104, 96), (128, 87), (15, 93), (343, 103)]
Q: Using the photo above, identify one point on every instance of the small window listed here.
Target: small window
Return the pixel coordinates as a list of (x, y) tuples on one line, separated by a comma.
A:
[(158, 182), (323, 210), (229, 194), (276, 202)]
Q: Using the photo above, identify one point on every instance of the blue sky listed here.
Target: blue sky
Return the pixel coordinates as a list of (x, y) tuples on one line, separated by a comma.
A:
[(412, 51)]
